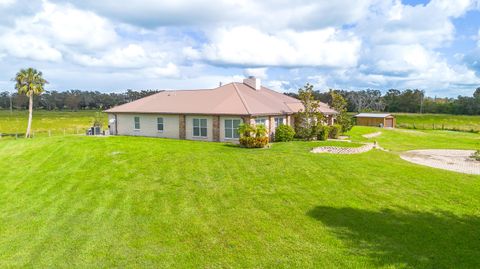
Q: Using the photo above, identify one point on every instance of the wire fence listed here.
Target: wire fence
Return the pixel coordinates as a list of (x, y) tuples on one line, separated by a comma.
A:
[(45, 133), (440, 126)]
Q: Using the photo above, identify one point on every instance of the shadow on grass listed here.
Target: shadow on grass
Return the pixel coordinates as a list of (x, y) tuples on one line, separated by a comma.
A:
[(405, 238)]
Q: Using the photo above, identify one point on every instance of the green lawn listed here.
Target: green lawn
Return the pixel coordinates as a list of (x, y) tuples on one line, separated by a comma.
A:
[(130, 202), (44, 121), (438, 121)]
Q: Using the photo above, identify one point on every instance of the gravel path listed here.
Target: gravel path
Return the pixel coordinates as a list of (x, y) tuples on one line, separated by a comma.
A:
[(448, 159), (343, 150), (372, 135)]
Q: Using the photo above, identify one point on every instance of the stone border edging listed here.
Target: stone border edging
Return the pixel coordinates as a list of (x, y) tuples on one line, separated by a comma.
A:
[(344, 150)]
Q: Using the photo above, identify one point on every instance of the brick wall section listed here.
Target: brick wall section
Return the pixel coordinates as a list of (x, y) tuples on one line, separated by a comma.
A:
[(182, 127), (271, 127), (216, 128)]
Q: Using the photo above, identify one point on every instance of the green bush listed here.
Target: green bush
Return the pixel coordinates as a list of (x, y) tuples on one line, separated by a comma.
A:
[(253, 136), (334, 131), (253, 142), (322, 133), (284, 133), (476, 155)]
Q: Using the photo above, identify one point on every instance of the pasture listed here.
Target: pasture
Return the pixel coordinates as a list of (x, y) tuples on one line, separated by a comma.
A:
[(438, 121), (57, 122), (76, 201)]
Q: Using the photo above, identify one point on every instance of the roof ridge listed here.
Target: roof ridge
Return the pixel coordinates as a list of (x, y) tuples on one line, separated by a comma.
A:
[(241, 98)]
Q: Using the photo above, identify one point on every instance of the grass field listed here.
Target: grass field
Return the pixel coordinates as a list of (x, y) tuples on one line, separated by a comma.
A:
[(438, 121), (101, 202), (44, 121)]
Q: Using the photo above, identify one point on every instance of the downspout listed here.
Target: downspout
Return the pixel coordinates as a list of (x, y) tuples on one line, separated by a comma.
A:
[(116, 124)]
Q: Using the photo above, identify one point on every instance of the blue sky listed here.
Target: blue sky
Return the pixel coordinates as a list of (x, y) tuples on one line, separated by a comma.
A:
[(349, 44)]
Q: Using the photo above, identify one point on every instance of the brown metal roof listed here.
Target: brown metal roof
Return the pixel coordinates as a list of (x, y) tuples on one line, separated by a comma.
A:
[(230, 99)]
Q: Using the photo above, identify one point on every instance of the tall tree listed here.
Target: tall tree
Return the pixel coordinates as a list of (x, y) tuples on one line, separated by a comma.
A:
[(29, 82), (340, 105), (309, 119)]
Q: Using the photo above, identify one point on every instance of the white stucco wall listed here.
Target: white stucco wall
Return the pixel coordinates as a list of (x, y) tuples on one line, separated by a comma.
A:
[(189, 127), (148, 125)]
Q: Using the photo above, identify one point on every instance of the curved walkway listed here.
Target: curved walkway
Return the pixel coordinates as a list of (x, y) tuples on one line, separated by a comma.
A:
[(372, 135), (447, 159), (343, 150)]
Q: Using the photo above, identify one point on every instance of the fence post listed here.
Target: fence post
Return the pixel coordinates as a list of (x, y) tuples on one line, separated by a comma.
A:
[(16, 136), (0, 135)]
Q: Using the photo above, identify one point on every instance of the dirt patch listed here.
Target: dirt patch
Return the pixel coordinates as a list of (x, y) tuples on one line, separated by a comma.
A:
[(447, 159)]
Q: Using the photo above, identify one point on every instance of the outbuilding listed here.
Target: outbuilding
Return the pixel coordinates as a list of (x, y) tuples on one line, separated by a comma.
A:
[(376, 119)]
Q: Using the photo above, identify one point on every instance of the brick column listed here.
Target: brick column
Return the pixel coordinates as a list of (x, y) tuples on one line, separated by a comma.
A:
[(182, 127), (216, 128), (271, 126)]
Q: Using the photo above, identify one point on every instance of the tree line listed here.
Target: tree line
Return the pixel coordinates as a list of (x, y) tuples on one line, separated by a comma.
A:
[(71, 100), (413, 101), (410, 101)]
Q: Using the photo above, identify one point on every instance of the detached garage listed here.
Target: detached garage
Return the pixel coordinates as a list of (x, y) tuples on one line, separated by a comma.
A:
[(376, 119)]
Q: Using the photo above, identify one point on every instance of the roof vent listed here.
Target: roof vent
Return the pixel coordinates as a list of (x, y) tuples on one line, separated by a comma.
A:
[(253, 82)]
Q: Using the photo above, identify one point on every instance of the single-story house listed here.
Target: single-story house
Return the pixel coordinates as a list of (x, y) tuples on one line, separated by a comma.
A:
[(376, 119), (209, 114)]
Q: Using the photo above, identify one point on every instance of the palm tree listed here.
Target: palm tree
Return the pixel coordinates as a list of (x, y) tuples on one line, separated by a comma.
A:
[(29, 82)]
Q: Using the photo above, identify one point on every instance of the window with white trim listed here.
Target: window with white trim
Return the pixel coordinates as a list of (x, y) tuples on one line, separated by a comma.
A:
[(200, 127), (160, 124), (279, 121), (231, 128), (259, 121), (136, 123)]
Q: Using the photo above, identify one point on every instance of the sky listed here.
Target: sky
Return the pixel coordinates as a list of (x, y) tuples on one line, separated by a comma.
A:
[(113, 45)]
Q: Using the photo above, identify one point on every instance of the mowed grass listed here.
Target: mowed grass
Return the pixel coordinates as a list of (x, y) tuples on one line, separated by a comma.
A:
[(399, 140), (44, 121), (101, 202), (438, 121)]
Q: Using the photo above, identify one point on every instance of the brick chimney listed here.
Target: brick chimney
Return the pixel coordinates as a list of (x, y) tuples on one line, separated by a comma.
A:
[(253, 82)]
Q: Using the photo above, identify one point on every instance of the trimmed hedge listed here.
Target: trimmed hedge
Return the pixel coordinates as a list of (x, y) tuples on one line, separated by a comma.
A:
[(284, 133)]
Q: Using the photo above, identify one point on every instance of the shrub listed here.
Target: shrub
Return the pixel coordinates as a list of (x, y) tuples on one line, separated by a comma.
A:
[(253, 142), (476, 155), (253, 136), (284, 133), (334, 131), (322, 133)]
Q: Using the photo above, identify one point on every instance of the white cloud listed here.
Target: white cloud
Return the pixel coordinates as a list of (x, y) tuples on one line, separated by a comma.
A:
[(170, 70), (6, 2), (245, 45), (260, 72), (130, 56), (267, 14), (72, 26), (29, 46), (46, 35), (344, 43)]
